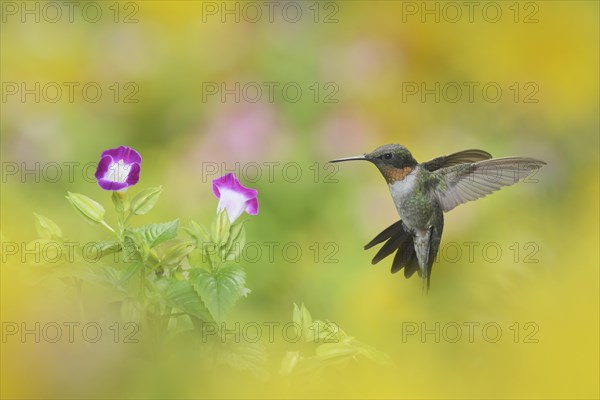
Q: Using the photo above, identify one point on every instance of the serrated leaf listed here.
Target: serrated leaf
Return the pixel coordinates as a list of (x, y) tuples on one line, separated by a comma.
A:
[(46, 228), (91, 210), (221, 289), (145, 200), (154, 234), (244, 356), (181, 295)]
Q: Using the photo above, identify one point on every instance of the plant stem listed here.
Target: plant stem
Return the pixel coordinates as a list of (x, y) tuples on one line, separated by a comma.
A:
[(103, 222)]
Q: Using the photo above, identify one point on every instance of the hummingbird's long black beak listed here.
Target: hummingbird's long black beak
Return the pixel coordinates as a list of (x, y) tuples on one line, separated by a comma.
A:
[(349, 159)]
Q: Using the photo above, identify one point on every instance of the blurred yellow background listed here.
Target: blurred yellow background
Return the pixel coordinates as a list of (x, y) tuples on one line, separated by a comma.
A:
[(369, 73)]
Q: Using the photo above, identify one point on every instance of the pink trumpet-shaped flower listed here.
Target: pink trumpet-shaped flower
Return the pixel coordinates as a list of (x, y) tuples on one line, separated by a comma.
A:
[(234, 197), (118, 168)]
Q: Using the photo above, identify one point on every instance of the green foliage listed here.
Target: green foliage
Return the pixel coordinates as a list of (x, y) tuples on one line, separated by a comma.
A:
[(155, 234), (107, 247), (236, 241), (220, 289), (91, 210), (219, 229), (145, 200), (182, 296), (46, 228), (333, 346), (198, 232), (154, 276), (174, 255)]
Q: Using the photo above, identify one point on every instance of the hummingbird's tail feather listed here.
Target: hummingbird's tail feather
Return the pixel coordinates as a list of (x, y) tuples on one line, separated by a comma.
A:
[(434, 244), (387, 233), (391, 245), (400, 240), (406, 258)]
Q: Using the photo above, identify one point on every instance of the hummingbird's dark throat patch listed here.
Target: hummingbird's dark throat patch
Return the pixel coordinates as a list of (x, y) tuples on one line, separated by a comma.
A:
[(393, 174)]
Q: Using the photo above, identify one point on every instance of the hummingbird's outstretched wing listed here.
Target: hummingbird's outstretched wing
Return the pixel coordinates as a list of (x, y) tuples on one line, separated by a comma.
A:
[(466, 182), (461, 157)]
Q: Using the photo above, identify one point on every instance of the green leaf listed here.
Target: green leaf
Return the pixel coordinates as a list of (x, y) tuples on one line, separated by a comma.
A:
[(243, 356), (327, 332), (330, 351), (135, 248), (175, 254), (303, 319), (129, 272), (88, 208), (145, 200), (197, 259), (181, 295), (236, 242), (104, 275), (198, 232), (219, 228), (119, 200), (289, 361), (154, 234), (107, 247), (221, 289), (46, 228)]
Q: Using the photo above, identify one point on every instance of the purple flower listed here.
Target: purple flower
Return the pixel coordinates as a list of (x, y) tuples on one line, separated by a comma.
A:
[(118, 168), (234, 197)]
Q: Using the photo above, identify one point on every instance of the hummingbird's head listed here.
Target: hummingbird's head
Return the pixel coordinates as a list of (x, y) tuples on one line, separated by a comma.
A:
[(393, 161)]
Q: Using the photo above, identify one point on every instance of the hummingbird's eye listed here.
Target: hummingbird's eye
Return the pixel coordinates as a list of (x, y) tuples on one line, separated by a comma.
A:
[(387, 156)]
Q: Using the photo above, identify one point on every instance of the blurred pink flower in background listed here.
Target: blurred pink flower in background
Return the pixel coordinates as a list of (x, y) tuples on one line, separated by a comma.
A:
[(239, 133), (345, 133)]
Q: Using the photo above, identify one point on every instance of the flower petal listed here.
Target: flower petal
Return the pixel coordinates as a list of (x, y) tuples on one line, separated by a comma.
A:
[(112, 185), (252, 206), (134, 175), (233, 203), (103, 165), (234, 197), (230, 182), (118, 168), (127, 154)]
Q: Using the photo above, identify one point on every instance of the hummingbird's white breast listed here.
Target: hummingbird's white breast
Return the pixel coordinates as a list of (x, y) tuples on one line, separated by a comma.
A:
[(403, 188), (408, 200)]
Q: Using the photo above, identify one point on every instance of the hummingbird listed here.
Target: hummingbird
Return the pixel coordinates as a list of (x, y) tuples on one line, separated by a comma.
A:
[(423, 192)]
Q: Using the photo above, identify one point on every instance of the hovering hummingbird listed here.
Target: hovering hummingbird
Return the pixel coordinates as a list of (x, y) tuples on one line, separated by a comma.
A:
[(423, 192)]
